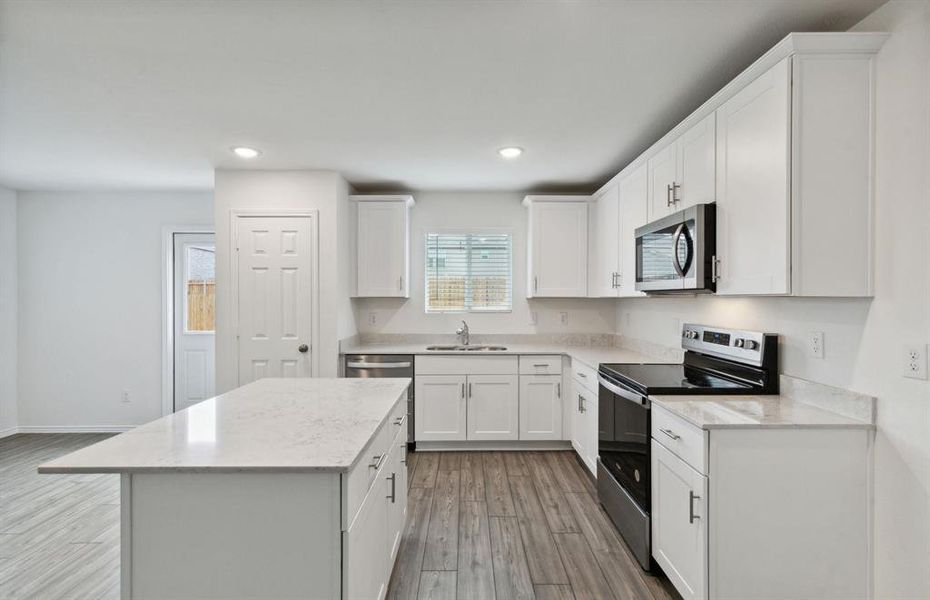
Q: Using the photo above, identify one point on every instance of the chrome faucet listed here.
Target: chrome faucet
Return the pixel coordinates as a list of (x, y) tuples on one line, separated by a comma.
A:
[(462, 332)]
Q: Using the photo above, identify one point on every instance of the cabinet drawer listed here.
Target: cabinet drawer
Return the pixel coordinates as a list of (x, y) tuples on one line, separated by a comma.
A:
[(360, 478), (684, 439), (541, 365), (466, 365), (584, 375)]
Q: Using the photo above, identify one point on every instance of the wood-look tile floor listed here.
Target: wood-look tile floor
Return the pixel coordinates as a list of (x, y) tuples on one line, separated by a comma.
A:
[(512, 525), (480, 525)]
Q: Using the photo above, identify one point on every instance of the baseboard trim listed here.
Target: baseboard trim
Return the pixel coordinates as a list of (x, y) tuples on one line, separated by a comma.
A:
[(8, 432), (505, 446), (73, 429)]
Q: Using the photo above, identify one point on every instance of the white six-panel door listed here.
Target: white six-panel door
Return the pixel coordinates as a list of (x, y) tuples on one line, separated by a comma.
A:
[(274, 279), (194, 331)]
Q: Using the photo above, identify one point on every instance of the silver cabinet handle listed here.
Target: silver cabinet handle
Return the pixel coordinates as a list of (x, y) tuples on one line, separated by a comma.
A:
[(403, 447), (462, 393), (581, 403), (714, 270), (582, 375), (558, 390), (382, 365), (393, 495), (675, 188), (400, 420), (537, 365), (671, 434), (400, 283), (469, 389), (668, 195), (378, 458), (535, 284), (691, 499)]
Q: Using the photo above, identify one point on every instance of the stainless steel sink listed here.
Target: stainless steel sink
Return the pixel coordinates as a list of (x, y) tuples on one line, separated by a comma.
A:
[(460, 348)]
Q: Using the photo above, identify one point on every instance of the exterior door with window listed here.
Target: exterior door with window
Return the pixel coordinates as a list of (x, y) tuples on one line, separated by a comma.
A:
[(194, 304), (274, 296)]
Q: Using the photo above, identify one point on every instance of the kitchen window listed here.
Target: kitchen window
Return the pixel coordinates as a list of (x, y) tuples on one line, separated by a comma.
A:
[(468, 272)]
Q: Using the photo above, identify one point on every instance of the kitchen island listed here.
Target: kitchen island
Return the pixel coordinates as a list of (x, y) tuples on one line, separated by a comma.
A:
[(283, 488)]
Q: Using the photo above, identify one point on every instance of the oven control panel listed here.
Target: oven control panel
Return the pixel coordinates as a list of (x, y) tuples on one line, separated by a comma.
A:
[(745, 346)]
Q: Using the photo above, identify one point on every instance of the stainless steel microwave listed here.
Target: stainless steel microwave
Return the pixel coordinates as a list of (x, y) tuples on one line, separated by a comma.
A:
[(677, 253)]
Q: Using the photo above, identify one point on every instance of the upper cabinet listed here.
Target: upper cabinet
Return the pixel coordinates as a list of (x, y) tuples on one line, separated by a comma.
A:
[(557, 249), (604, 250), (382, 243), (633, 213), (682, 173)]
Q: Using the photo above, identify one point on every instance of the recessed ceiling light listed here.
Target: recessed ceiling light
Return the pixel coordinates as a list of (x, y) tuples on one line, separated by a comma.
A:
[(246, 152), (510, 152)]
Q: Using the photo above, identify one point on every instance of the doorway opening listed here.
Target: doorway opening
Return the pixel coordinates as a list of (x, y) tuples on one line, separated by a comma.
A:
[(190, 319)]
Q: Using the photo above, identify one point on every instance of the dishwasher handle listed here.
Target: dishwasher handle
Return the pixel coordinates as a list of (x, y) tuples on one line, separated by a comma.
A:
[(378, 365)]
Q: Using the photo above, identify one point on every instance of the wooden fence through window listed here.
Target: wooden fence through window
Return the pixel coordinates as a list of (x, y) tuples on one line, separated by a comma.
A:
[(201, 305)]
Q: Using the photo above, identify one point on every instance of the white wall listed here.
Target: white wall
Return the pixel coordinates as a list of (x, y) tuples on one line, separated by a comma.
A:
[(864, 339), (477, 210), (90, 322), (8, 283), (324, 191)]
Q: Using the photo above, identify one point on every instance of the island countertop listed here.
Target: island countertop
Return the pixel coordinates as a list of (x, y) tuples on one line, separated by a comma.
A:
[(270, 425)]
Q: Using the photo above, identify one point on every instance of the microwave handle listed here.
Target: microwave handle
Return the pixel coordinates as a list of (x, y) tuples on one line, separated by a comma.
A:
[(675, 262)]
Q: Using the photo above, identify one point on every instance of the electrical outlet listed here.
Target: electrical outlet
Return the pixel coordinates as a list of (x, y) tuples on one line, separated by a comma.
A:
[(915, 361), (125, 398), (563, 318), (816, 344), (372, 318)]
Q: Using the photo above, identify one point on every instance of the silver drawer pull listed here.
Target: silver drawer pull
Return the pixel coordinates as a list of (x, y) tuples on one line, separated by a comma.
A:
[(671, 434), (378, 458), (400, 420), (582, 375), (691, 499), (393, 496), (540, 365)]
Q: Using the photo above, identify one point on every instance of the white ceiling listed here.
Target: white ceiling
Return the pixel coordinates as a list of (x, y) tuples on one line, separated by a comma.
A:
[(144, 94)]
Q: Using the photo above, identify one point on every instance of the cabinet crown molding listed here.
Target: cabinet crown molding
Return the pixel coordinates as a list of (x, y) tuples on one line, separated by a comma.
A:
[(405, 198), (528, 200)]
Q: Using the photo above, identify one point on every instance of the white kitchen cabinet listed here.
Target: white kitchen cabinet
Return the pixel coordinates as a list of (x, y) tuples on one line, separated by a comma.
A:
[(557, 249), (440, 408), (382, 245), (761, 513), (540, 407), (492, 407), (682, 173), (679, 522), (753, 207), (633, 189), (396, 495), (604, 243), (584, 424)]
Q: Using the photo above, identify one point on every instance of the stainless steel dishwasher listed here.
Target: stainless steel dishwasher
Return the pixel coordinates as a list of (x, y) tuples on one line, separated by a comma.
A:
[(385, 365)]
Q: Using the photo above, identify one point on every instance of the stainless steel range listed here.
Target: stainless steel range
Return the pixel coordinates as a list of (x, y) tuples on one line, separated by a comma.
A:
[(716, 361)]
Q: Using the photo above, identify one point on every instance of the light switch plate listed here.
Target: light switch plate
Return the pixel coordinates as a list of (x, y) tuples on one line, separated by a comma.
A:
[(915, 361)]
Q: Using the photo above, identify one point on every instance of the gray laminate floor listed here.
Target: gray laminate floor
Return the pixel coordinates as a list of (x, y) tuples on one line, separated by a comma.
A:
[(512, 525), (480, 526)]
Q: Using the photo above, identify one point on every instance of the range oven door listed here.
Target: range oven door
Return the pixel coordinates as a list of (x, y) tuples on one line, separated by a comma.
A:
[(623, 478), (676, 253)]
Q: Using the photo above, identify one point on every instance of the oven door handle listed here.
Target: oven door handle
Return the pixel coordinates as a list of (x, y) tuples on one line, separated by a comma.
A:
[(626, 394), (675, 241)]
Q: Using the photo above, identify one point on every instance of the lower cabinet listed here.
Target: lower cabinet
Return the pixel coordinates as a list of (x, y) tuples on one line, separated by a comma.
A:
[(374, 535), (492, 407), (540, 407), (584, 424), (679, 522), (440, 407)]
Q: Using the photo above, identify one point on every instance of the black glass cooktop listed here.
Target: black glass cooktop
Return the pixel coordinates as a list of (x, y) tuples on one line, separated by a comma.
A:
[(651, 379)]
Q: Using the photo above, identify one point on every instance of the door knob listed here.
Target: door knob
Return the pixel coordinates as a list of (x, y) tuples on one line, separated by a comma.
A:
[(303, 348)]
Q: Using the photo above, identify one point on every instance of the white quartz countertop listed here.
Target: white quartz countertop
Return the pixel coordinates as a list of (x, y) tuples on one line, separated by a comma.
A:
[(756, 412), (290, 425), (589, 355)]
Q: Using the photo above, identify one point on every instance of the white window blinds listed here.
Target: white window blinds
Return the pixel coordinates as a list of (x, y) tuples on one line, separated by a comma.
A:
[(468, 272)]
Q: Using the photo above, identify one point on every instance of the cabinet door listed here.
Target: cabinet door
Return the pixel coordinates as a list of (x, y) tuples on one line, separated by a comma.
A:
[(366, 566), (604, 232), (591, 430), (439, 404), (382, 249), (493, 407), (662, 171), (679, 522), (577, 400), (396, 495), (559, 248), (540, 407), (753, 186), (697, 165), (633, 200)]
